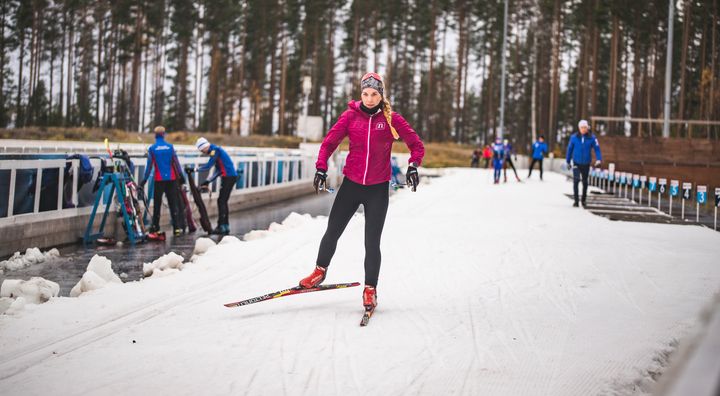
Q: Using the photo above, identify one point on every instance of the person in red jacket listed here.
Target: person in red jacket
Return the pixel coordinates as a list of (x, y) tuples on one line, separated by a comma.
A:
[(487, 155), (372, 127)]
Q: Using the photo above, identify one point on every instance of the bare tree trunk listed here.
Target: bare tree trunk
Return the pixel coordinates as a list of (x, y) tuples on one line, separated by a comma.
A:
[(273, 71), (711, 114), (460, 60), (595, 62), (555, 81), (182, 100), (98, 72), (683, 59), (71, 60), (133, 122), (330, 72), (431, 68), (613, 67), (533, 95), (146, 55), (18, 104), (213, 83), (62, 75), (283, 78)]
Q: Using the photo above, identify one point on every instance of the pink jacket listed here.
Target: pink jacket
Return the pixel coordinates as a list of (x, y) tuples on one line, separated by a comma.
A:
[(370, 144)]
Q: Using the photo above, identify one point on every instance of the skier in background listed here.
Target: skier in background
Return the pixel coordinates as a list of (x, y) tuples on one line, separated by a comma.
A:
[(509, 152), (225, 169), (487, 155), (372, 127), (475, 160), (163, 159), (498, 150), (580, 152), (539, 149)]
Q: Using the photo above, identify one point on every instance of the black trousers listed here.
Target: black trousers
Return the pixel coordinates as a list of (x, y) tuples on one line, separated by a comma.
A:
[(580, 171), (532, 165), (227, 183), (374, 199), (508, 161), (169, 188)]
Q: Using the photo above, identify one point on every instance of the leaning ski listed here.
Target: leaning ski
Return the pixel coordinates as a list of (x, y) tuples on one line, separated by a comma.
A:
[(366, 316), (289, 292)]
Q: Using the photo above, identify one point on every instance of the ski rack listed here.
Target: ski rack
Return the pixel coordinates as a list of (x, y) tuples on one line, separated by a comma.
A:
[(117, 183)]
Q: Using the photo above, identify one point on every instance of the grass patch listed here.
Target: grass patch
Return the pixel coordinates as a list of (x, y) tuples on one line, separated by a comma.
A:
[(437, 155)]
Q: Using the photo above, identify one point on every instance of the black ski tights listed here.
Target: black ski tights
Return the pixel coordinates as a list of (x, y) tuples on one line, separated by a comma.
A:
[(374, 199)]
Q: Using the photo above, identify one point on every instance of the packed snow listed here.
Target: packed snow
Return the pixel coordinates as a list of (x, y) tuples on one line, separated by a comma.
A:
[(35, 291), (484, 289), (30, 257), (294, 220), (202, 245), (15, 294), (166, 265), (99, 273)]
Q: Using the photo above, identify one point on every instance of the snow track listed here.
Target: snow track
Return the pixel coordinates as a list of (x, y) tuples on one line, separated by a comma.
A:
[(484, 289)]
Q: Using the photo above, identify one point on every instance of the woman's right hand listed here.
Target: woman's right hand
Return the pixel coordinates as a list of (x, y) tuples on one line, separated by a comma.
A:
[(319, 181)]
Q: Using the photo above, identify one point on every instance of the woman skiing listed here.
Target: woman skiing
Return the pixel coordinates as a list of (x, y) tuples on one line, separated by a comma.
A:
[(371, 126)]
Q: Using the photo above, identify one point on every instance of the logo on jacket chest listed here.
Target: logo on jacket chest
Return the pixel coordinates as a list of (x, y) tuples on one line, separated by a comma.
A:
[(380, 125)]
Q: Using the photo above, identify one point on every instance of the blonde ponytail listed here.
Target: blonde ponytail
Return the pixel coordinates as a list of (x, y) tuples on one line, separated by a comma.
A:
[(387, 110)]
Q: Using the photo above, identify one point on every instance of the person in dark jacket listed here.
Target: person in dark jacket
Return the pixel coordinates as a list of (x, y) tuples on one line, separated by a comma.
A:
[(164, 161), (225, 169), (539, 150), (579, 151)]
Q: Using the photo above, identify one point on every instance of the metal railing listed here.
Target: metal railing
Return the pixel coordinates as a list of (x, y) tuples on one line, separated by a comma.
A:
[(37, 177)]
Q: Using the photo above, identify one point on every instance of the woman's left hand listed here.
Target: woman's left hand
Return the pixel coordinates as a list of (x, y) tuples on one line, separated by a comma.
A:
[(412, 177)]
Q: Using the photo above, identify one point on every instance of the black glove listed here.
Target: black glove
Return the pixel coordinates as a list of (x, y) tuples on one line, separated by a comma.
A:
[(569, 167), (319, 180), (204, 186), (142, 184), (412, 178), (189, 169)]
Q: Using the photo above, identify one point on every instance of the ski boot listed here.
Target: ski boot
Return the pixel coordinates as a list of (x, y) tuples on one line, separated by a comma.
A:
[(177, 231), (314, 279), (156, 236), (221, 229), (369, 297)]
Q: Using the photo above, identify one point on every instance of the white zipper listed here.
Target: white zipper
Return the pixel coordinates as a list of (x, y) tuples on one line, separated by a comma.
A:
[(367, 158)]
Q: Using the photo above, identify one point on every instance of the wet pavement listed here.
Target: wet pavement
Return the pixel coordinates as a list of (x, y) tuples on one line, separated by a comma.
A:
[(128, 260)]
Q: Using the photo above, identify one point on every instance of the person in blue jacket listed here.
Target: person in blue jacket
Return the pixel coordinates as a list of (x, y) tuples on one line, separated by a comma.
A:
[(164, 161), (539, 149), (579, 151), (509, 152), (225, 169), (498, 158)]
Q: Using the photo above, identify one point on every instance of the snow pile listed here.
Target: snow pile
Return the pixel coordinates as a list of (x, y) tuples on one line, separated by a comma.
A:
[(35, 291), (13, 306), (15, 293), (229, 239), (164, 265), (294, 220), (31, 256), (98, 274), (202, 245)]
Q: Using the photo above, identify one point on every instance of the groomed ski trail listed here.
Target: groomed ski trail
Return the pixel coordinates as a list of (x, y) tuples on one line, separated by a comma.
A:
[(484, 289)]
